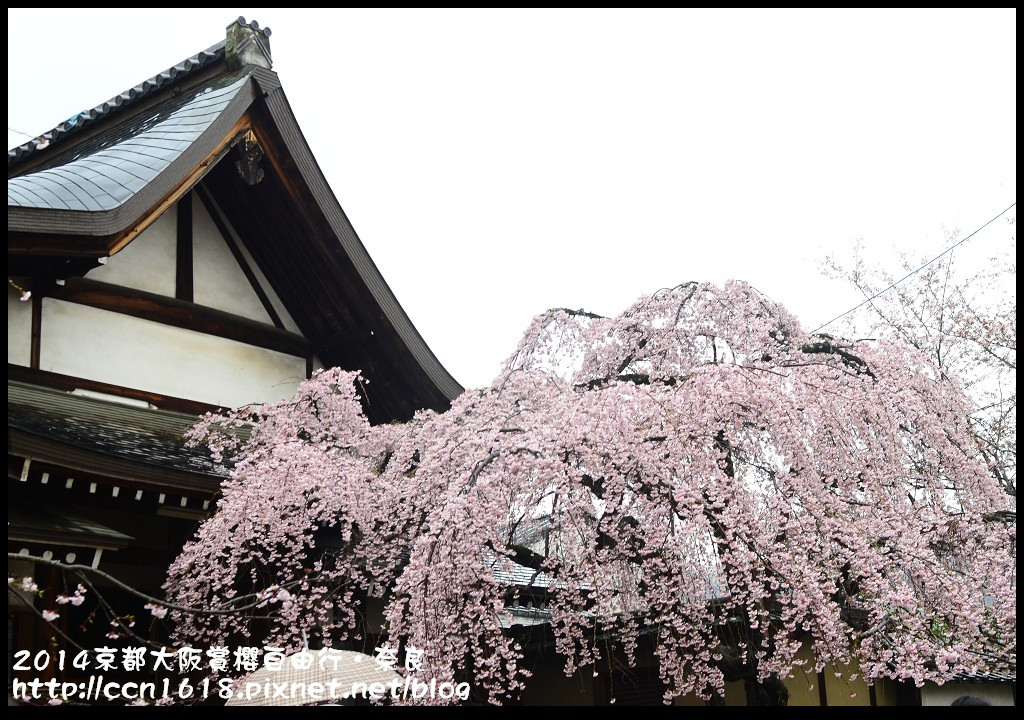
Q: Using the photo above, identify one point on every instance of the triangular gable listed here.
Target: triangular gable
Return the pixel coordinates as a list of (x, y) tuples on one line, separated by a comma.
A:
[(241, 151), (224, 275), (220, 281)]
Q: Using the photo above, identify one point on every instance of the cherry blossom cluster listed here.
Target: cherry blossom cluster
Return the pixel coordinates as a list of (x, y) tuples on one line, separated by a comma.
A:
[(712, 481)]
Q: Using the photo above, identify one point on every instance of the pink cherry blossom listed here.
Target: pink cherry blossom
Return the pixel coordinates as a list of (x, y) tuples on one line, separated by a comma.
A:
[(697, 470), (158, 611)]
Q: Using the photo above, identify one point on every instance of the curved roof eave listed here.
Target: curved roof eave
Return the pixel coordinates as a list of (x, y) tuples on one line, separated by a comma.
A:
[(291, 134), (119, 224), (178, 175)]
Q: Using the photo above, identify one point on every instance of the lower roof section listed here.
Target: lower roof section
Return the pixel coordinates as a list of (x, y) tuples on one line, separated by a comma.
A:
[(104, 436)]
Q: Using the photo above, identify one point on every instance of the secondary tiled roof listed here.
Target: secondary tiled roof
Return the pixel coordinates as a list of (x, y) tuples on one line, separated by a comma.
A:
[(104, 173), (507, 572), (527, 616), (986, 677), (140, 435), (129, 97)]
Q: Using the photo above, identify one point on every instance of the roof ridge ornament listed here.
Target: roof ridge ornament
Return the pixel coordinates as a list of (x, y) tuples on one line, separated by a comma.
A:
[(247, 44)]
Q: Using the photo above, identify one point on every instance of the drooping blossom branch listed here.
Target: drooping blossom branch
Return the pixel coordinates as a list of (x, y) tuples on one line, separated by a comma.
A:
[(697, 471)]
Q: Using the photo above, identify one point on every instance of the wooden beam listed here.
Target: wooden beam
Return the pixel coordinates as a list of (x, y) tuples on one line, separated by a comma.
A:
[(57, 381), (178, 313), (228, 235), (117, 242), (58, 246), (183, 278)]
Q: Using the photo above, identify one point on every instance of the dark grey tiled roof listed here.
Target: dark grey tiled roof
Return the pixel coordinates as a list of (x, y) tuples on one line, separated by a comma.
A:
[(151, 437), (105, 172), (525, 616), (87, 117), (507, 572), (986, 677)]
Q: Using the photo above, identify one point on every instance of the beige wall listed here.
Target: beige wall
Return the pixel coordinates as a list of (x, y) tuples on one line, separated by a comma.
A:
[(844, 691), (19, 329), (208, 243), (109, 347), (889, 692), (218, 280), (149, 262)]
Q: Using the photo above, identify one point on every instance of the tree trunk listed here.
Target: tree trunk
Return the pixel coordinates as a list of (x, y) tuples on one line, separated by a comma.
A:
[(771, 693)]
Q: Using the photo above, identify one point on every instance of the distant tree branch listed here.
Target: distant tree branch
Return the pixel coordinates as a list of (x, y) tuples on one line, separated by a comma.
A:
[(88, 569)]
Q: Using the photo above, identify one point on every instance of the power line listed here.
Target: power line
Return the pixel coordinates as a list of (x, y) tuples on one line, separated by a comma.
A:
[(19, 132), (914, 272)]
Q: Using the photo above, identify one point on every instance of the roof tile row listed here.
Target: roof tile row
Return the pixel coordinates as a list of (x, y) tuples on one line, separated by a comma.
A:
[(124, 99)]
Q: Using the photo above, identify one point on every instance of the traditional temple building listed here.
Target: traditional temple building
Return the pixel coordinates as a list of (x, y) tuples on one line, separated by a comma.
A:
[(171, 251)]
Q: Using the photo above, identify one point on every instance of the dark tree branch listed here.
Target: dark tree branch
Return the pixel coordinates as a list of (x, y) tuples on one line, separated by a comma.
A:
[(576, 313), (830, 348), (87, 569)]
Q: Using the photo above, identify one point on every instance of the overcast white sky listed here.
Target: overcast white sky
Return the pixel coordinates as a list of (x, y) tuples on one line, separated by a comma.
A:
[(496, 163)]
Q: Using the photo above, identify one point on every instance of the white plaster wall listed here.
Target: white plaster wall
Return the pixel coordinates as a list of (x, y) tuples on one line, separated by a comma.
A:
[(109, 347), (275, 301), (19, 329), (218, 281), (995, 693), (201, 216), (149, 261)]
